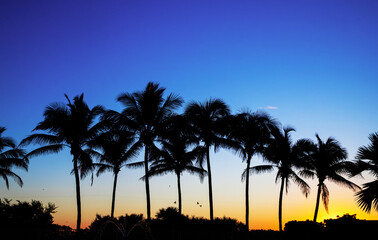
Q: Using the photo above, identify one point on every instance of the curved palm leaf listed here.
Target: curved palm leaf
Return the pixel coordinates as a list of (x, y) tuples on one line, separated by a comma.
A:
[(367, 198)]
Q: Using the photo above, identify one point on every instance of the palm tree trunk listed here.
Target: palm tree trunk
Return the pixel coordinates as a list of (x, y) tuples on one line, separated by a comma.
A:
[(114, 192), (317, 201), (179, 192), (147, 182), (280, 204), (78, 200), (210, 184), (247, 193)]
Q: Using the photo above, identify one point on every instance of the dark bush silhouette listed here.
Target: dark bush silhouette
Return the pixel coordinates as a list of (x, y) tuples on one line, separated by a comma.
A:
[(29, 220), (299, 229), (106, 227), (349, 225)]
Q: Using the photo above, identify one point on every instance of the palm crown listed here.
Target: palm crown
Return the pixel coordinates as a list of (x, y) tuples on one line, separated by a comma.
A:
[(368, 161), (68, 125), (176, 156), (208, 121), (146, 113), (285, 156), (251, 133), (326, 160), (11, 156), (117, 147)]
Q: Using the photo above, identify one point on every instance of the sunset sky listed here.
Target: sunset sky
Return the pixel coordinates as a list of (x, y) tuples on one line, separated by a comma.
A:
[(310, 64)]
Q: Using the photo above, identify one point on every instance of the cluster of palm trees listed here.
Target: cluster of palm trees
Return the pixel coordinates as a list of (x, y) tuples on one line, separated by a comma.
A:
[(106, 140)]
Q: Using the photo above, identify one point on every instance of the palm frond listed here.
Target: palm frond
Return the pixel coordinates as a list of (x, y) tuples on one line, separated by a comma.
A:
[(338, 179), (5, 173), (6, 141), (55, 148), (135, 164), (41, 139), (13, 153), (325, 196), (101, 168), (157, 172), (5, 177), (14, 162), (257, 169), (367, 198), (307, 173), (172, 102), (303, 186), (131, 152)]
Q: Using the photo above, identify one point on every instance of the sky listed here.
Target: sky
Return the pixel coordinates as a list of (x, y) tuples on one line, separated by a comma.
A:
[(310, 64)]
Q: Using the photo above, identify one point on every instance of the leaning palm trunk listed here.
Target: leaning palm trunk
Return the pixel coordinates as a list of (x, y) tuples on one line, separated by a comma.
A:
[(280, 204), (114, 192), (317, 201), (147, 183), (179, 192), (247, 193), (78, 200), (210, 184)]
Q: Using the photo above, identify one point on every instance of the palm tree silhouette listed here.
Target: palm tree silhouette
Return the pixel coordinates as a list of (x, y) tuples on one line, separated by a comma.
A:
[(175, 156), (251, 132), (68, 125), (11, 156), (367, 157), (145, 113), (326, 161), (285, 156), (117, 147), (208, 121)]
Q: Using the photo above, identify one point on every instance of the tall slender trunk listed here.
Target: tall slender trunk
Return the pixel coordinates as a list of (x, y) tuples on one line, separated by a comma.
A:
[(210, 184), (317, 201), (179, 192), (280, 204), (114, 193), (78, 200), (147, 182), (247, 193)]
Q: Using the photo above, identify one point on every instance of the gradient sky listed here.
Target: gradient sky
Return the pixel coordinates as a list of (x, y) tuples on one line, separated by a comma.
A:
[(310, 64)]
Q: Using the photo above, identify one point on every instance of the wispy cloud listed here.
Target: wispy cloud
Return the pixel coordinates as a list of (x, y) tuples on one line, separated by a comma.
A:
[(268, 107)]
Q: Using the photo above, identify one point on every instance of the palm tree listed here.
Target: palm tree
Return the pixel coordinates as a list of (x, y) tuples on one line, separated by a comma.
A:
[(208, 121), (175, 156), (367, 157), (117, 147), (326, 160), (11, 156), (285, 156), (68, 125), (251, 132), (146, 113)]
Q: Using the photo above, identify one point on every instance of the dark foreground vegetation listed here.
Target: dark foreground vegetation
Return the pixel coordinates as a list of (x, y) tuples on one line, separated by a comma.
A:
[(33, 221)]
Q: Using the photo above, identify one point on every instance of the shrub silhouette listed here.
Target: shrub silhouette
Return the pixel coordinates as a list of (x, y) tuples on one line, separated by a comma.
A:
[(29, 220)]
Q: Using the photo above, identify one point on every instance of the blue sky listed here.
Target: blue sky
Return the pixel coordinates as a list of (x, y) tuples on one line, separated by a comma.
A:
[(315, 61)]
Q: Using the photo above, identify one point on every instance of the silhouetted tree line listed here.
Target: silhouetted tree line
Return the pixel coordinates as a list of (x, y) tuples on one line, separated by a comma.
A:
[(106, 140), (30, 220), (168, 224)]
